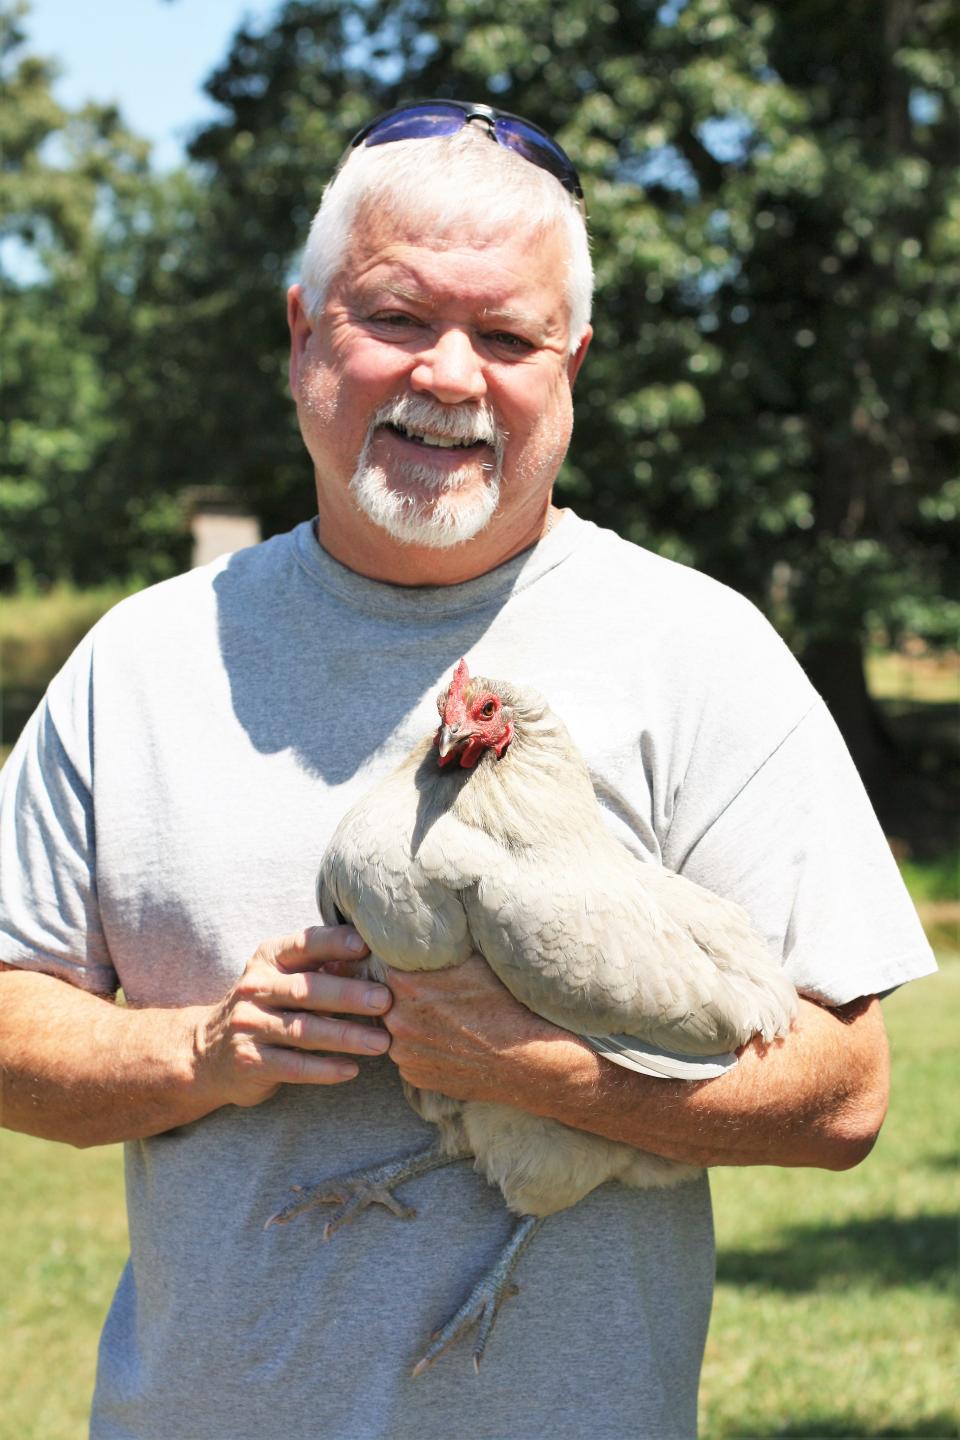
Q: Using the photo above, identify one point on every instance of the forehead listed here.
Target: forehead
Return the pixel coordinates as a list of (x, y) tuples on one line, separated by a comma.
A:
[(524, 271)]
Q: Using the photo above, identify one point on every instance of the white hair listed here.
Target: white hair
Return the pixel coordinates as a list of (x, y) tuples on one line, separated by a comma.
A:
[(440, 181)]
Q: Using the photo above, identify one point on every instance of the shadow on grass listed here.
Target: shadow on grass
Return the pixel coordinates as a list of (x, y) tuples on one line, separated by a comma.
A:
[(938, 1427), (880, 1252), (940, 1162)]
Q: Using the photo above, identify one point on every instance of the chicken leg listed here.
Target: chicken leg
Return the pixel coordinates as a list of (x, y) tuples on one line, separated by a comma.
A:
[(359, 1189), (482, 1305)]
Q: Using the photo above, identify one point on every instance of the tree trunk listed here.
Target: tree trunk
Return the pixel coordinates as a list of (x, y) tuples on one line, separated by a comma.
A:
[(834, 665)]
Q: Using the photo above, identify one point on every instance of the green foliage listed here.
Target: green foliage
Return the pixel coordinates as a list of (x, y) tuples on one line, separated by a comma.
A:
[(773, 390), (776, 215), (89, 285), (832, 1316)]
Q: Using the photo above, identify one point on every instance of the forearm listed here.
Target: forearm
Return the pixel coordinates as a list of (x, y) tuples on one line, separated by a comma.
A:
[(816, 1098), (78, 1068)]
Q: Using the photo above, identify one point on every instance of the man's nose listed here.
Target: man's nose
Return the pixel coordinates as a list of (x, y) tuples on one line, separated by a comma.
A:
[(450, 370)]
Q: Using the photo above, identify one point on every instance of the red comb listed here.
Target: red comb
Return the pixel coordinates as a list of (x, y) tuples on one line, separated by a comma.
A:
[(458, 684)]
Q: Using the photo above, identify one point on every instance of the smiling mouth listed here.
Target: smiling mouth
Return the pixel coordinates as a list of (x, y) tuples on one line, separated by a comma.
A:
[(436, 442)]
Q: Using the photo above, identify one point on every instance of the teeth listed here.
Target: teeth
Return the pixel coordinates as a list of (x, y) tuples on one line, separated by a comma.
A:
[(443, 442)]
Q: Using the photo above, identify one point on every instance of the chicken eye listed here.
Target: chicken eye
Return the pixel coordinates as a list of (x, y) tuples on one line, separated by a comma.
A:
[(488, 711)]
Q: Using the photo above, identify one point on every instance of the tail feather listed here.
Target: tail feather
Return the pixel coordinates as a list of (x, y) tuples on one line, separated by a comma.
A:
[(647, 1059)]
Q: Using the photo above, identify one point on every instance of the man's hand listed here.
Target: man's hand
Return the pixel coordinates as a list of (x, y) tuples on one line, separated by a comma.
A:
[(283, 1010), (461, 1032), (78, 1068), (815, 1098)]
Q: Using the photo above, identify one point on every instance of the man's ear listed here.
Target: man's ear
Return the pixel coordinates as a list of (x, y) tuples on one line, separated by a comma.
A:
[(300, 332), (575, 360)]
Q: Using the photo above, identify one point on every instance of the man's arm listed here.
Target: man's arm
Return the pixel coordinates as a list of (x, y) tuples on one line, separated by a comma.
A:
[(816, 1098), (76, 1067)]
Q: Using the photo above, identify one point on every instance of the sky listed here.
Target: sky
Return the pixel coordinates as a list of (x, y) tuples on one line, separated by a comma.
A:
[(151, 57)]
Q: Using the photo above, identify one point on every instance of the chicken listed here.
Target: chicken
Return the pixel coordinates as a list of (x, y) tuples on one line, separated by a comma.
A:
[(489, 838)]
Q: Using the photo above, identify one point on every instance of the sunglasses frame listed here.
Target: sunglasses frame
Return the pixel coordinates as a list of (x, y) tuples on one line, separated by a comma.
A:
[(470, 111)]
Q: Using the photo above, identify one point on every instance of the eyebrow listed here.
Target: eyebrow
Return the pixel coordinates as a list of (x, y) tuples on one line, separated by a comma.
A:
[(403, 292), (524, 318), (491, 314)]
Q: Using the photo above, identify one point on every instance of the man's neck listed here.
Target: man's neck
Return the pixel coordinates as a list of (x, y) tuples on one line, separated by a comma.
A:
[(369, 551)]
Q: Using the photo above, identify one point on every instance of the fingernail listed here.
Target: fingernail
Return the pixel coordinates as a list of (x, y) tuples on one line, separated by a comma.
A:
[(377, 1041), (377, 997), (355, 943)]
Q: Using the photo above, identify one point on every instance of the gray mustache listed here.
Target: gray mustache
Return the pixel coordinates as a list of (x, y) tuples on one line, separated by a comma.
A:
[(469, 423)]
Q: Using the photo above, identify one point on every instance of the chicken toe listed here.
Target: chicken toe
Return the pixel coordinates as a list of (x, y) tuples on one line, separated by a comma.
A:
[(358, 1190), (482, 1305)]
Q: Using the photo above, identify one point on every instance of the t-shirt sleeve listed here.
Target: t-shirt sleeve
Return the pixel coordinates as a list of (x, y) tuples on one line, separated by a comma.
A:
[(800, 848), (49, 917)]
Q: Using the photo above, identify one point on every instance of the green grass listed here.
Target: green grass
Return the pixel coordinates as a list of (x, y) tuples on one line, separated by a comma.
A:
[(832, 1317), (63, 1241), (934, 678), (933, 882), (833, 1313)]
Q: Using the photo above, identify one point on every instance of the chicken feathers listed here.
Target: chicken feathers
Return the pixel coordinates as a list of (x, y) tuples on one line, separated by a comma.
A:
[(489, 838)]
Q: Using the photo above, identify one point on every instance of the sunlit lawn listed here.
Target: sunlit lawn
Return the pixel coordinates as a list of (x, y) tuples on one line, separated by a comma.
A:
[(833, 1313), (62, 1245), (933, 678)]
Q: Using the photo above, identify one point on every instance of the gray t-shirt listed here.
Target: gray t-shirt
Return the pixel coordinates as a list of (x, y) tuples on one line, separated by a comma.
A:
[(165, 811)]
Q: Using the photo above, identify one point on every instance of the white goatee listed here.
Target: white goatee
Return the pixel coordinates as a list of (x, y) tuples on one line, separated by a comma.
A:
[(444, 508)]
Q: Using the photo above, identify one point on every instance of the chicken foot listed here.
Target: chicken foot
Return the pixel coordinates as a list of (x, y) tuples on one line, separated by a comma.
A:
[(482, 1305), (356, 1191)]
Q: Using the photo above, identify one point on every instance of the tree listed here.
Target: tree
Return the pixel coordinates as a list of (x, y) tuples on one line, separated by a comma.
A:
[(88, 269), (773, 389)]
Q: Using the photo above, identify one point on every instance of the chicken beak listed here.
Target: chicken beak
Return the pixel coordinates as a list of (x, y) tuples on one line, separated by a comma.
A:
[(448, 739)]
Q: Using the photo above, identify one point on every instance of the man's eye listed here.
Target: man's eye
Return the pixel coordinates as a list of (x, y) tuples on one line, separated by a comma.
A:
[(506, 340), (395, 320)]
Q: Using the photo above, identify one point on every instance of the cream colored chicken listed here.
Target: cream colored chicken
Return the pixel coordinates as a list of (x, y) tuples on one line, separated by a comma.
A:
[(489, 838)]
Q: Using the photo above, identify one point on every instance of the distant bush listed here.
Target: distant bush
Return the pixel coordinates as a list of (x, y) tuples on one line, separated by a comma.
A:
[(933, 882), (38, 631)]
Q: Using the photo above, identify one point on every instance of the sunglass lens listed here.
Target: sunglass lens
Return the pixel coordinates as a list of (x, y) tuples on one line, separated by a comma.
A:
[(539, 150), (417, 122)]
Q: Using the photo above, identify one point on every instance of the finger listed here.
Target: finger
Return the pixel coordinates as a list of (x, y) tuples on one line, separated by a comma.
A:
[(315, 946), (302, 1031), (331, 994), (300, 1067), (339, 994)]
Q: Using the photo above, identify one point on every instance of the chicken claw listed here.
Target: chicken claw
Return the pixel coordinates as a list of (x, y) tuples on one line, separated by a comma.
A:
[(482, 1305), (374, 1186)]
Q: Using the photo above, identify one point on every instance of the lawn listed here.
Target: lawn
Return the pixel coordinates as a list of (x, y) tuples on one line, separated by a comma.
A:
[(833, 1313), (63, 1240), (832, 1318)]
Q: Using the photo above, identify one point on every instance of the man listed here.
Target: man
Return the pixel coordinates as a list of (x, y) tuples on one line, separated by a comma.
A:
[(168, 805)]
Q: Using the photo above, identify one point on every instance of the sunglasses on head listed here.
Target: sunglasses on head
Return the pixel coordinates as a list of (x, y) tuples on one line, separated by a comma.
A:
[(424, 119)]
